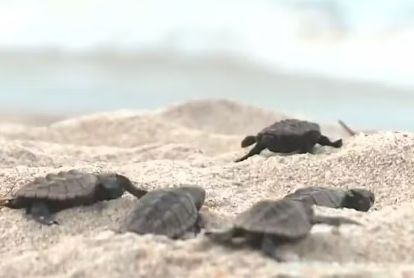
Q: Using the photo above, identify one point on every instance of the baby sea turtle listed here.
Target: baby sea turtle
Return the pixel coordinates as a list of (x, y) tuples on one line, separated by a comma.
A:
[(46, 195), (287, 136), (268, 224), (170, 212), (355, 198)]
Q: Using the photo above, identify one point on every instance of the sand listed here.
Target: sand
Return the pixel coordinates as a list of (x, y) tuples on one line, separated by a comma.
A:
[(196, 143)]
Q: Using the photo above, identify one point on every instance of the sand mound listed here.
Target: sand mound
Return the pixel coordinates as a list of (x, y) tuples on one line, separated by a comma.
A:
[(221, 116), (214, 126), (84, 245), (125, 132)]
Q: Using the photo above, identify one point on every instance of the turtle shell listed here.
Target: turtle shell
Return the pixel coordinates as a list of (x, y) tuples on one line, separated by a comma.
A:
[(71, 187), (284, 219), (291, 127), (169, 212), (289, 136), (320, 196)]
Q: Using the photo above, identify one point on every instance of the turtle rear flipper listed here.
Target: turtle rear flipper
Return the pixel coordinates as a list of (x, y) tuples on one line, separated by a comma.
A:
[(333, 221), (325, 141), (347, 128)]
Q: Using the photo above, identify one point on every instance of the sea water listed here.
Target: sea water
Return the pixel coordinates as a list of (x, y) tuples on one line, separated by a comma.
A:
[(356, 41)]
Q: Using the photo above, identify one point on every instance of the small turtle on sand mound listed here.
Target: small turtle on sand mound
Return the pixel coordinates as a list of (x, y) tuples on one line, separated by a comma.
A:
[(54, 192), (268, 224), (170, 212), (355, 198), (288, 136)]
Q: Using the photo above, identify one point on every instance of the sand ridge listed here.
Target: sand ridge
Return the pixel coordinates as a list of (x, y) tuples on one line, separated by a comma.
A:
[(186, 151)]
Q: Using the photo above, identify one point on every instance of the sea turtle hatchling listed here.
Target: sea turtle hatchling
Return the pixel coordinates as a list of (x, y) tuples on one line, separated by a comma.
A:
[(268, 224), (46, 195), (288, 136), (355, 198), (171, 212)]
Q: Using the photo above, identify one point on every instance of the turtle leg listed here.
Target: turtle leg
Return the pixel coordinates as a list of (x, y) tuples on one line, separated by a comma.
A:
[(255, 150), (269, 248), (200, 224), (333, 221), (307, 148), (41, 213), (325, 141)]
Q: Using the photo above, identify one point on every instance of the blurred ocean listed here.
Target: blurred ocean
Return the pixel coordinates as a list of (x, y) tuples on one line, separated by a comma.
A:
[(70, 57)]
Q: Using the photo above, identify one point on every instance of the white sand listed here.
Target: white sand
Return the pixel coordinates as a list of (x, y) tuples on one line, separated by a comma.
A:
[(196, 143)]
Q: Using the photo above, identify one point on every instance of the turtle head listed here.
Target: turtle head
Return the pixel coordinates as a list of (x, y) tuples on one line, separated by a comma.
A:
[(359, 199), (127, 185), (248, 140), (7, 202), (198, 194), (110, 186)]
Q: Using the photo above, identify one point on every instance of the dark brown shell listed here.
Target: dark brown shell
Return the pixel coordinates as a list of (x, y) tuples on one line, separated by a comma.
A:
[(320, 196), (64, 186), (291, 127), (170, 212), (287, 219)]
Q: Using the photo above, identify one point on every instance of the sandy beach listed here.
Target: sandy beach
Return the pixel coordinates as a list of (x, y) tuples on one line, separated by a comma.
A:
[(196, 143)]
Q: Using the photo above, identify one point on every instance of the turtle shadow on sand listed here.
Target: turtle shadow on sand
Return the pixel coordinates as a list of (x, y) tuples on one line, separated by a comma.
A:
[(287, 136)]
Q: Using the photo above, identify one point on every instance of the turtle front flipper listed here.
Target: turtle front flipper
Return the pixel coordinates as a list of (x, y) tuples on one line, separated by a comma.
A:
[(41, 213), (325, 141), (333, 221), (255, 150), (132, 189), (196, 229), (125, 183), (200, 224)]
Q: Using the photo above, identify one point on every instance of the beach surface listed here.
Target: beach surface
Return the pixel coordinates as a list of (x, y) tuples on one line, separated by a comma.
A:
[(196, 143)]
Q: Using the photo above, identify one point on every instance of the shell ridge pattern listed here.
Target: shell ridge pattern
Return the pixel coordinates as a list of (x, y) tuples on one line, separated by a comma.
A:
[(158, 205), (190, 211), (178, 204)]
